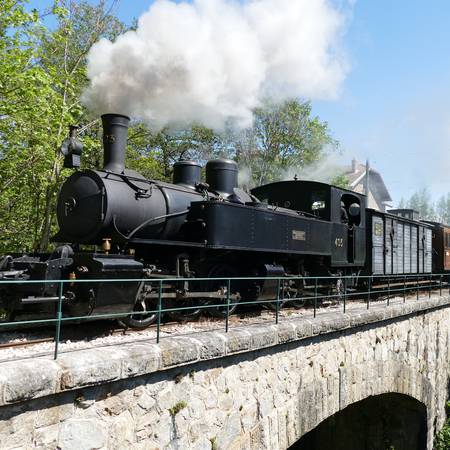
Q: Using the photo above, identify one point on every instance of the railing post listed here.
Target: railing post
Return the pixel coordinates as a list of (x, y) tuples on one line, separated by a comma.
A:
[(389, 291), (158, 322), (59, 317), (315, 297), (440, 285), (404, 289), (417, 292), (429, 290), (345, 292), (368, 292), (277, 309), (227, 317)]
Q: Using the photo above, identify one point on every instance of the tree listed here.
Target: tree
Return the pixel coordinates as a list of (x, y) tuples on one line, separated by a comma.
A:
[(42, 75), (63, 56), (283, 137), (443, 209), (341, 181), (421, 201), (153, 153), (25, 97)]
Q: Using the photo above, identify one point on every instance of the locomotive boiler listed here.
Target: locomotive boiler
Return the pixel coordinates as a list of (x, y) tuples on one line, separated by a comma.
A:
[(119, 204)]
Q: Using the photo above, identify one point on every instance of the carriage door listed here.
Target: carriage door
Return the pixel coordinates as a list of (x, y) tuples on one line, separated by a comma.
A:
[(414, 249), (421, 250), (407, 248), (377, 245), (394, 241), (428, 250), (446, 249), (400, 248), (388, 246)]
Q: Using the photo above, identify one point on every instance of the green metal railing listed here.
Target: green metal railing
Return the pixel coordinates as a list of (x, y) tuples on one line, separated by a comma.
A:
[(313, 291)]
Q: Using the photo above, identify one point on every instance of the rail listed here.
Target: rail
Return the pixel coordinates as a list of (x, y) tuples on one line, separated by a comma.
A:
[(307, 292)]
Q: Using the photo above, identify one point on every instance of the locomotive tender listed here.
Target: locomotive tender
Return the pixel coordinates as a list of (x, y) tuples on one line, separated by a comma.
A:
[(152, 230)]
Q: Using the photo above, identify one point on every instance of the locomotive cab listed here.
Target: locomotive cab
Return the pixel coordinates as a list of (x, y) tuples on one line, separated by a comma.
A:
[(343, 209)]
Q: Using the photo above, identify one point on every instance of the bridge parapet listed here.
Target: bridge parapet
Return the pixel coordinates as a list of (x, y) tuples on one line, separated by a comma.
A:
[(260, 386)]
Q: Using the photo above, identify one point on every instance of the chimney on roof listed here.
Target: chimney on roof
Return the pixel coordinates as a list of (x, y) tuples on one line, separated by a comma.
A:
[(367, 183), (353, 165)]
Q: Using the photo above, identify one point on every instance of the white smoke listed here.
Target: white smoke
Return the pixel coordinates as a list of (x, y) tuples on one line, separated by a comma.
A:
[(323, 170), (213, 60)]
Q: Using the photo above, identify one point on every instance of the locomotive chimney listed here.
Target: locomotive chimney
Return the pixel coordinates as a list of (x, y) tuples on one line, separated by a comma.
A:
[(115, 130)]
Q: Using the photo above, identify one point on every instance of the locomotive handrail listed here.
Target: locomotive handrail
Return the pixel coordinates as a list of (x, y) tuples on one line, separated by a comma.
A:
[(297, 277), (395, 286)]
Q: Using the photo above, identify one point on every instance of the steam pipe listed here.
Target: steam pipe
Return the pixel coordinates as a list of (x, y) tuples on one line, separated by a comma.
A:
[(115, 131)]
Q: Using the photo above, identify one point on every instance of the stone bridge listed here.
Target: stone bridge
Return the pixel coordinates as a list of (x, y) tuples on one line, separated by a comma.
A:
[(336, 381)]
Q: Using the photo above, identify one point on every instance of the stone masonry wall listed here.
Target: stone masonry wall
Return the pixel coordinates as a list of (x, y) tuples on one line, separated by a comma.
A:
[(258, 387)]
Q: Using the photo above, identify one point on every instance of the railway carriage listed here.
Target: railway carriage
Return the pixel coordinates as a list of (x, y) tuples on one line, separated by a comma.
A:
[(398, 243), (440, 247)]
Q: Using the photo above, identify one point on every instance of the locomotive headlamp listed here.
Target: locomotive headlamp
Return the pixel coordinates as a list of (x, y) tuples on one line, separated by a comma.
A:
[(71, 149)]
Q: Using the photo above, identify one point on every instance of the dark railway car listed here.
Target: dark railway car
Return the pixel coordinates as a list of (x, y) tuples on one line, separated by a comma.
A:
[(441, 247), (397, 244)]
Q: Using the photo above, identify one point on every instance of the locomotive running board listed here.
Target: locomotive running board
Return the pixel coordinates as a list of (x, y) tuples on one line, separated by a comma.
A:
[(30, 300), (194, 295)]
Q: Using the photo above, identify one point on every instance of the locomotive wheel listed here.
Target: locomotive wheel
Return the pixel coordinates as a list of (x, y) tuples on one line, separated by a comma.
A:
[(187, 314), (221, 271), (292, 293), (336, 292), (283, 298), (143, 304), (297, 294)]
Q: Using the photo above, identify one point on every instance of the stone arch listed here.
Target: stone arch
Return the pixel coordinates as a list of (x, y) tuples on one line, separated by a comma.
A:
[(321, 399), (388, 420)]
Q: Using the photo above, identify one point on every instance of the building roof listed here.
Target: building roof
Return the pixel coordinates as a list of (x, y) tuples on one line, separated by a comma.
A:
[(356, 175)]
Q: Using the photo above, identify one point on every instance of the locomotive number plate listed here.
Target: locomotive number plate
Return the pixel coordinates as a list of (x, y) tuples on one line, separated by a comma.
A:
[(298, 235)]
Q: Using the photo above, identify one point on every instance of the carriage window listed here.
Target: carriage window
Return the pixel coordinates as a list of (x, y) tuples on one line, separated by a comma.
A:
[(319, 204), (350, 210), (447, 239)]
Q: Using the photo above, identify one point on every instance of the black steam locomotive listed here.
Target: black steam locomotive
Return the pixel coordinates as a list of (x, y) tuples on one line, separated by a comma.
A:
[(148, 230)]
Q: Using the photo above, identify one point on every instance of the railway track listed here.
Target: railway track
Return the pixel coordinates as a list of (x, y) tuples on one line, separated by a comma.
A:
[(108, 333)]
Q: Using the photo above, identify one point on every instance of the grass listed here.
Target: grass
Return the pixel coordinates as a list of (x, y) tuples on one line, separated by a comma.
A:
[(177, 408)]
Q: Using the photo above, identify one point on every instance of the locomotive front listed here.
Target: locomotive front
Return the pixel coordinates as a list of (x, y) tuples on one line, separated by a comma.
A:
[(118, 204)]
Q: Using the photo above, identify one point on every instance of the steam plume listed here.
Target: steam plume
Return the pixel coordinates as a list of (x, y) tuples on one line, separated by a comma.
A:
[(212, 60)]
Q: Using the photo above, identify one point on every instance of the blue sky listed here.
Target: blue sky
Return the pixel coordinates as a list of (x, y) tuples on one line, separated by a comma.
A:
[(394, 106)]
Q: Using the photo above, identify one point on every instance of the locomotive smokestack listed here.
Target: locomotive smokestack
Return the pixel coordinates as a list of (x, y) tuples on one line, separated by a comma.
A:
[(115, 130)]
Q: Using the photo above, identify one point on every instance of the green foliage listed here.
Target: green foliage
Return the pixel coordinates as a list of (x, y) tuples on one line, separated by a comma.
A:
[(422, 202), (42, 75), (443, 209), (284, 137), (153, 153), (341, 181), (177, 408), (214, 445), (442, 438)]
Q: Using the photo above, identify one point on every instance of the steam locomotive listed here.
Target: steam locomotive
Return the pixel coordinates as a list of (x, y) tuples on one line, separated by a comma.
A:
[(116, 224)]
